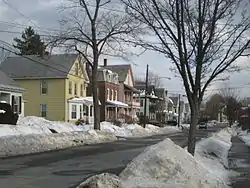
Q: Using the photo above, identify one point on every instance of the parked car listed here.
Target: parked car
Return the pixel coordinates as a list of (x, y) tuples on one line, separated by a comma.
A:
[(202, 125), (7, 116)]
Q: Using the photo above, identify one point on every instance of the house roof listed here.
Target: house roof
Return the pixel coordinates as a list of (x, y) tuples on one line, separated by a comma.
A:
[(6, 83), (31, 66), (121, 70), (160, 92)]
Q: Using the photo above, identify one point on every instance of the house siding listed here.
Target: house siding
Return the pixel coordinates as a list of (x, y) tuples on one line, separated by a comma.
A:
[(103, 86), (78, 79), (54, 98)]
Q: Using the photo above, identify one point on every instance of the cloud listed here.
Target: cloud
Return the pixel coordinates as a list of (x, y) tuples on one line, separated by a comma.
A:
[(46, 14)]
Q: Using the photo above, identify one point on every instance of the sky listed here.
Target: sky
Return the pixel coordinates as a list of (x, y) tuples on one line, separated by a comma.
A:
[(44, 16)]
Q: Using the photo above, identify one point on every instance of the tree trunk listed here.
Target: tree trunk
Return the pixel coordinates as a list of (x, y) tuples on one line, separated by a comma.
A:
[(96, 100), (193, 127)]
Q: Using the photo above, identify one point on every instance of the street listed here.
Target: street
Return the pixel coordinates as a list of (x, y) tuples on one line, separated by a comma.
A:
[(67, 168)]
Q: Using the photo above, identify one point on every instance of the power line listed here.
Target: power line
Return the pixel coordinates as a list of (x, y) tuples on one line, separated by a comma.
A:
[(18, 25), (16, 10)]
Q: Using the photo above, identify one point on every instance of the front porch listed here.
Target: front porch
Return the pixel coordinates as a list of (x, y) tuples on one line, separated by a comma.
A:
[(14, 99), (115, 110), (81, 108)]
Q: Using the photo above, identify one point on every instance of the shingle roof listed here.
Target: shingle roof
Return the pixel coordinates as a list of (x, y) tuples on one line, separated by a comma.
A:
[(5, 80), (54, 66), (121, 70), (160, 92), (6, 83)]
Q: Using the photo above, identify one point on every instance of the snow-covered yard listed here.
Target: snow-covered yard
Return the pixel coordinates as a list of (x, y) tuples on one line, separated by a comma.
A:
[(35, 134), (166, 165)]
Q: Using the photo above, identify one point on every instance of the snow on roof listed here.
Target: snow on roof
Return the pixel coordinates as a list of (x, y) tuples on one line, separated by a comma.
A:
[(117, 103), (85, 100)]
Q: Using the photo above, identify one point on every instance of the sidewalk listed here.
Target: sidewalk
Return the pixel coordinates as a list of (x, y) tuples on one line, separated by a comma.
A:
[(239, 160)]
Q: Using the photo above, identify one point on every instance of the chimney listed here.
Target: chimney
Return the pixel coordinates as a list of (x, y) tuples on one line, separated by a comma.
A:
[(105, 62)]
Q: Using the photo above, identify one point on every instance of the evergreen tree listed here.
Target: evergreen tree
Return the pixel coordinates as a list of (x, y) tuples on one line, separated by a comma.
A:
[(30, 43)]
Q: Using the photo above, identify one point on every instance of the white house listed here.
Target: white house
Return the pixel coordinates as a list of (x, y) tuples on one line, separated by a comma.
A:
[(10, 93)]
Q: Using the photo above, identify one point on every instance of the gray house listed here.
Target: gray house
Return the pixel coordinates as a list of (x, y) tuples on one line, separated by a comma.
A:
[(11, 93)]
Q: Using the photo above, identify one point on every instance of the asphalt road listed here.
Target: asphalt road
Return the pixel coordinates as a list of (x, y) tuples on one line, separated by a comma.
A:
[(239, 161), (67, 168)]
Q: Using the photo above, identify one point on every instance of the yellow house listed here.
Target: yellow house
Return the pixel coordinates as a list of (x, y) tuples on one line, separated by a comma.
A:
[(55, 86)]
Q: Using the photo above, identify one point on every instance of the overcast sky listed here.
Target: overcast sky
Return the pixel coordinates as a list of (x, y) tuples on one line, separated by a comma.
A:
[(44, 16)]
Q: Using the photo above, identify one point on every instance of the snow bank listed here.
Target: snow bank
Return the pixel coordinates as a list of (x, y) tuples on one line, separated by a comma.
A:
[(163, 165), (36, 125), (245, 137), (33, 143), (213, 153), (132, 130)]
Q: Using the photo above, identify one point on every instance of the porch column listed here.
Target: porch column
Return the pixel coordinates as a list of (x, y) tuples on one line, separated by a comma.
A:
[(116, 111), (89, 113)]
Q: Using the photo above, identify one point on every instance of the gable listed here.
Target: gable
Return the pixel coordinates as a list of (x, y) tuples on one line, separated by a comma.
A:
[(78, 65), (129, 78)]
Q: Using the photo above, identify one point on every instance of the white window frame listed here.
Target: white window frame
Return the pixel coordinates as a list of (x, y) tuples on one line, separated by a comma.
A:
[(107, 93), (42, 107), (44, 85), (71, 114), (116, 95), (112, 94)]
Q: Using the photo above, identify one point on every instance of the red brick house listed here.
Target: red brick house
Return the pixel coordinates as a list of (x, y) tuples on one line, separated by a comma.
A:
[(126, 89), (109, 95)]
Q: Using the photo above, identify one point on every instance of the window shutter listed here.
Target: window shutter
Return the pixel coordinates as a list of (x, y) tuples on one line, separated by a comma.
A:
[(20, 104), (12, 102)]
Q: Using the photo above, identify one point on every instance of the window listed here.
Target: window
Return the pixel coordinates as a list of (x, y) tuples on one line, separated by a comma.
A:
[(80, 111), (43, 110), (81, 91), (108, 94), (112, 94), (73, 111), (44, 86), (76, 69), (141, 103), (70, 87), (16, 104), (75, 89), (115, 95), (91, 111)]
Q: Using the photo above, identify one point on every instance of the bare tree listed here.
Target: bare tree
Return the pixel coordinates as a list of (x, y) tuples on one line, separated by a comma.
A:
[(153, 79), (213, 106), (203, 39), (92, 29), (232, 103)]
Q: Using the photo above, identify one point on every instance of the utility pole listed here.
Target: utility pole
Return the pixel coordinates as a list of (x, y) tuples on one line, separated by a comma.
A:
[(179, 109), (145, 99)]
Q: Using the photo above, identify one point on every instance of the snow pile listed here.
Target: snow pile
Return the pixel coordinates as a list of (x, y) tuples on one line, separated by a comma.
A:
[(213, 153), (36, 125), (132, 130), (245, 137), (163, 165), (36, 134), (33, 143)]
